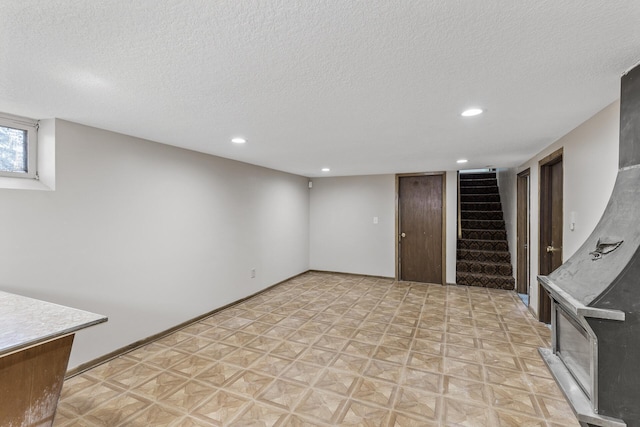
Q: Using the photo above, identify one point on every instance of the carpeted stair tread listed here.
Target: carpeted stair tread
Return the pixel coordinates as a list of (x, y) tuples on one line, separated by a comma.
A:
[(478, 190), (477, 175), (486, 182), (484, 256), (485, 281), (483, 224), (488, 268), (484, 215), (481, 206), (471, 198), (481, 244), (480, 234)]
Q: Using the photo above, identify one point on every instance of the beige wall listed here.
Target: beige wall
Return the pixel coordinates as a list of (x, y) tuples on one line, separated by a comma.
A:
[(149, 235), (343, 236), (508, 199), (153, 235), (452, 226), (590, 162)]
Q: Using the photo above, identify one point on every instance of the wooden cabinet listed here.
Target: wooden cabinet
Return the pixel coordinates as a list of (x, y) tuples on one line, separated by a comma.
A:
[(35, 344)]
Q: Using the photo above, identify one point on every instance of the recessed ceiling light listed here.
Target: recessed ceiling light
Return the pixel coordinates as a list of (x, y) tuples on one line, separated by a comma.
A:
[(462, 161), (238, 140), (326, 170), (471, 112)]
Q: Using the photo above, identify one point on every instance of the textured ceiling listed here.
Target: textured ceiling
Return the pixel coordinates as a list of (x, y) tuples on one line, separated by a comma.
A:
[(362, 87)]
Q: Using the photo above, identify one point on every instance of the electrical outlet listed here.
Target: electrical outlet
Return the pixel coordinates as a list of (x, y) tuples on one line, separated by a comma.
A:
[(253, 273)]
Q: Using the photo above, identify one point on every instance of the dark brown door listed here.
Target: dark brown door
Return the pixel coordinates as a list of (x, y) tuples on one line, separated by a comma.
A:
[(550, 227), (523, 215), (420, 210)]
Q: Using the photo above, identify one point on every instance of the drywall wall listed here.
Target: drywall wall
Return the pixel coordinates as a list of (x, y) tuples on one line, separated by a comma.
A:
[(451, 227), (343, 235), (590, 162), (149, 235), (508, 198)]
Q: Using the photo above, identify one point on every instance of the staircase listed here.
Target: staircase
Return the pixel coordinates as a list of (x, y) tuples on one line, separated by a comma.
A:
[(483, 251)]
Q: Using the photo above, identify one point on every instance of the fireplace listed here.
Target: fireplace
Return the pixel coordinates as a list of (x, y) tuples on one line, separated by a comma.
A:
[(578, 359), (595, 354)]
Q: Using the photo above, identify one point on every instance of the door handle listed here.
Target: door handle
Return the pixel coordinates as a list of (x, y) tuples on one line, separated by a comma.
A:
[(403, 235), (552, 249)]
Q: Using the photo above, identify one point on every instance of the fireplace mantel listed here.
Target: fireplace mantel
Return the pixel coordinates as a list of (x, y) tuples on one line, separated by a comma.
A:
[(575, 307)]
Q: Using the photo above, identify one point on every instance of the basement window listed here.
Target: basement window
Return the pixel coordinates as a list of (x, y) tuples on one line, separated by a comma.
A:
[(18, 147)]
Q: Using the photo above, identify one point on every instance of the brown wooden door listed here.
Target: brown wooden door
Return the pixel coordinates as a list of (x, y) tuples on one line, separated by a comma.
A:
[(550, 227), (523, 215), (421, 213)]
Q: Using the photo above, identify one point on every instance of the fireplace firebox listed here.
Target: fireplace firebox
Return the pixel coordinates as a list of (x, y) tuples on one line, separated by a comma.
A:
[(577, 347)]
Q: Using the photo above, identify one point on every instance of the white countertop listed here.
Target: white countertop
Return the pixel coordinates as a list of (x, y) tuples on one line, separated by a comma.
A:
[(25, 322)]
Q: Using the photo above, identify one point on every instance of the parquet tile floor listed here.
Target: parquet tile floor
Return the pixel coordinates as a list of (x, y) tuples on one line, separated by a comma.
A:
[(330, 349)]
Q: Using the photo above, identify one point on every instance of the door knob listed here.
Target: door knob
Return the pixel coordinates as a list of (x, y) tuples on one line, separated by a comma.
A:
[(552, 249), (403, 235)]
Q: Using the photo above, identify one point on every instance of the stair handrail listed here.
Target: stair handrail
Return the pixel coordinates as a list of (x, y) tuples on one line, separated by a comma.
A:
[(459, 210)]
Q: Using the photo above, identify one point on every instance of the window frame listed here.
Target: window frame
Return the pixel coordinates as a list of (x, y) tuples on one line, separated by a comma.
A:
[(31, 127)]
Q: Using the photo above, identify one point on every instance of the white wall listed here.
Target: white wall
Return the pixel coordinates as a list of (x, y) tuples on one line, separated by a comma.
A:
[(343, 235), (507, 185), (451, 226), (153, 235), (590, 162), (149, 235)]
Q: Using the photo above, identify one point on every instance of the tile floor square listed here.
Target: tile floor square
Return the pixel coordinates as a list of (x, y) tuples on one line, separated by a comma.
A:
[(327, 349)]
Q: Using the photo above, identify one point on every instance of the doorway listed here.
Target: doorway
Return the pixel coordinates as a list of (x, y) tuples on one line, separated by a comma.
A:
[(523, 274), (421, 226), (551, 217)]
